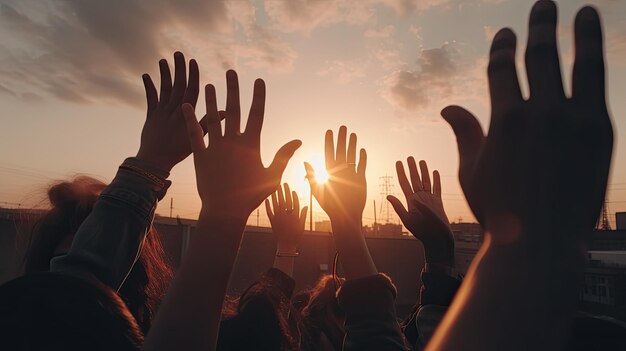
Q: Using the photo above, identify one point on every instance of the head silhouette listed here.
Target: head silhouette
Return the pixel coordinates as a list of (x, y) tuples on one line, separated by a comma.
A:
[(71, 202), (52, 311)]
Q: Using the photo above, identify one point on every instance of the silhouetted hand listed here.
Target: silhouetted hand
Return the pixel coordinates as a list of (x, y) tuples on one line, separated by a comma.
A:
[(164, 141), (425, 218), (343, 196), (232, 180), (287, 220), (545, 161)]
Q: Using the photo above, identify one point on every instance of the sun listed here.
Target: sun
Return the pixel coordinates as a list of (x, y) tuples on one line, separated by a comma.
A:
[(319, 165)]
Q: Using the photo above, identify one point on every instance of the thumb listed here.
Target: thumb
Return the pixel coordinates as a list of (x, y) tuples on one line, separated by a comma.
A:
[(469, 133), (283, 155), (398, 207), (194, 130), (470, 139)]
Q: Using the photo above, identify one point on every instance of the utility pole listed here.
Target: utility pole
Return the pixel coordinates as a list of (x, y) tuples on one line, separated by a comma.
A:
[(375, 224), (171, 206), (257, 217), (386, 189), (603, 222)]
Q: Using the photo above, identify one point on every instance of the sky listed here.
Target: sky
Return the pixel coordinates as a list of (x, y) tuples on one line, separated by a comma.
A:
[(72, 98)]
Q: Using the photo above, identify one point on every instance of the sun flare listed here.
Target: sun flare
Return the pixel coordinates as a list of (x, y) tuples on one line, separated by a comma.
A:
[(317, 161)]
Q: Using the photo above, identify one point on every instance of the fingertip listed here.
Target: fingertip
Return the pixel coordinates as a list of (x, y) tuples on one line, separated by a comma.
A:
[(505, 39), (231, 74)]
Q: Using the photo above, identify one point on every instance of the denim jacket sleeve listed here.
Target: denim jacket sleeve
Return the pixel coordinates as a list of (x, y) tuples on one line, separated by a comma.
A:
[(109, 241)]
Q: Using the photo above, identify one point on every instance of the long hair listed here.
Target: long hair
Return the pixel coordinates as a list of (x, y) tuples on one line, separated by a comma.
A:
[(322, 316), (71, 202), (53, 311)]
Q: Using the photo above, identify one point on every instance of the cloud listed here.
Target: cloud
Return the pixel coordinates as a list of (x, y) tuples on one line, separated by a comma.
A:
[(306, 15), (343, 72), (85, 51), (411, 89), (382, 33)]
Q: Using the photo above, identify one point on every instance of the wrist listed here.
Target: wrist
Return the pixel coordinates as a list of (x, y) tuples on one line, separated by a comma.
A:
[(286, 248), (220, 215), (346, 223), (153, 161)]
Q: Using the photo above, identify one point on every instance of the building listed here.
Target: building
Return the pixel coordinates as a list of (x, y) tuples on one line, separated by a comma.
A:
[(604, 288), (468, 237)]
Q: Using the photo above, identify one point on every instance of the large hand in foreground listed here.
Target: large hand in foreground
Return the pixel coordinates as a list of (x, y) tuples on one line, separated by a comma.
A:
[(343, 196), (164, 141), (232, 180), (545, 162), (287, 220), (425, 218)]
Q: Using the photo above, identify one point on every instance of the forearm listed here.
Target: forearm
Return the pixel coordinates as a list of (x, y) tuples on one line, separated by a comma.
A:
[(107, 243), (500, 283), (353, 252), (441, 251), (285, 258), (189, 316)]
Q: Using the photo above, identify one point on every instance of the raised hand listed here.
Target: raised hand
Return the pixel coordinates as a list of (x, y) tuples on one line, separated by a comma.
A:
[(232, 180), (164, 141), (343, 199), (536, 182), (545, 160), (343, 196), (425, 217), (287, 220)]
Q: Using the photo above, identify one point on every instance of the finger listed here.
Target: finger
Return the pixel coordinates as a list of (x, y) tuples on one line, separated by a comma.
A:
[(588, 79), (436, 183), (303, 216), (329, 149), (193, 85), (542, 55), (257, 112), (268, 209), (194, 131), (222, 115), (166, 82), (402, 179), (232, 104), (288, 202), (275, 201), (180, 81), (352, 151), (341, 145), (296, 201), (283, 155), (425, 176), (152, 99), (503, 82), (398, 207), (415, 176), (310, 176), (204, 123), (281, 200), (214, 127), (362, 162)]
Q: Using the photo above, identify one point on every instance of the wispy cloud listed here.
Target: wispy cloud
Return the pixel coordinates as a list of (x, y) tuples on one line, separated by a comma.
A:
[(84, 51), (412, 88)]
